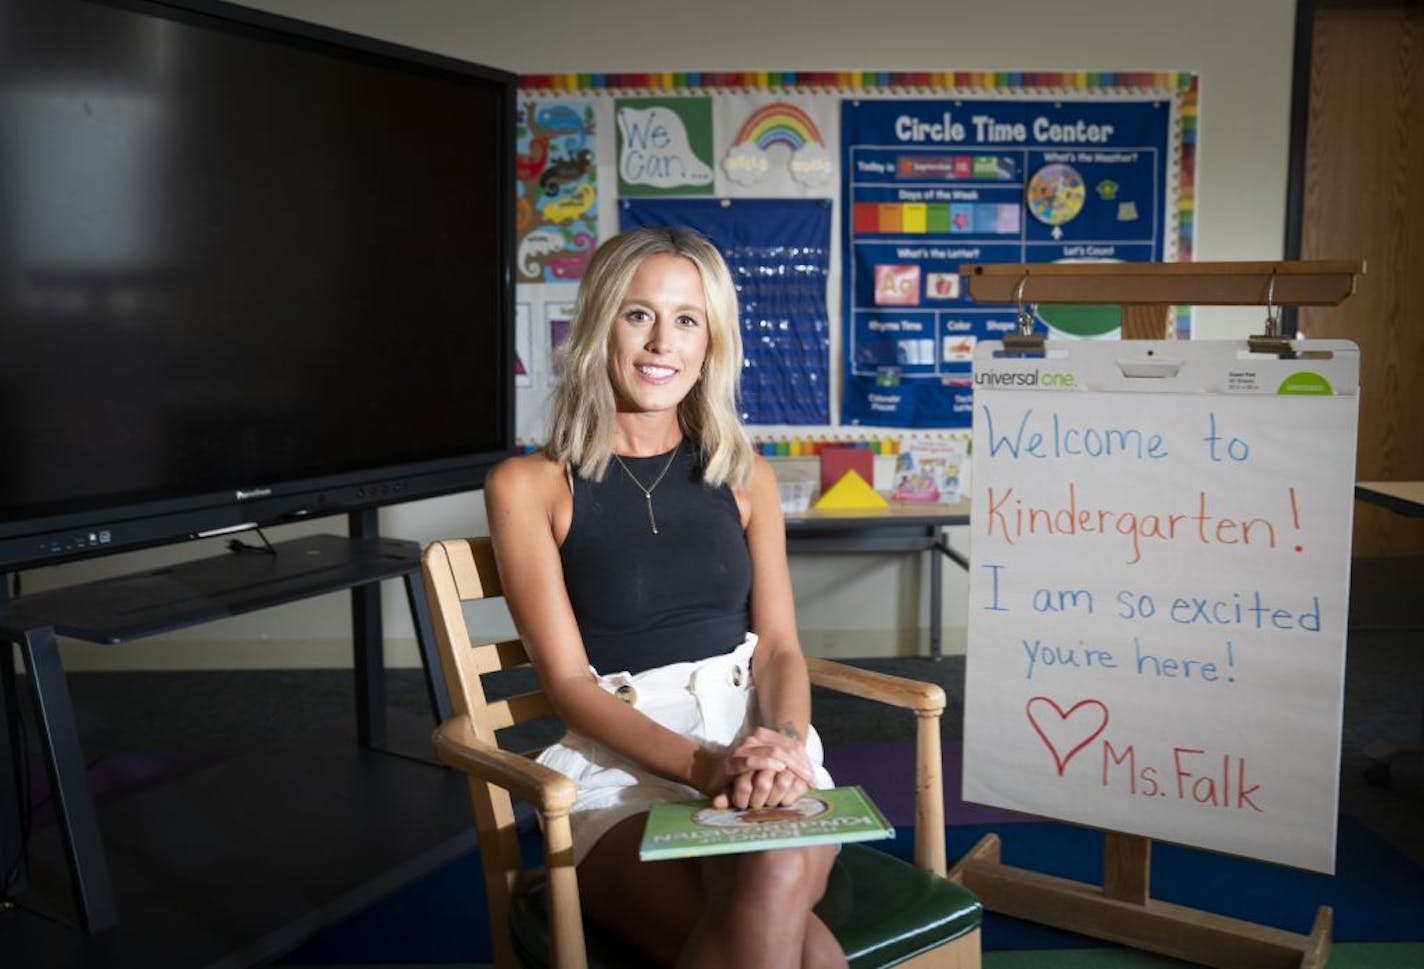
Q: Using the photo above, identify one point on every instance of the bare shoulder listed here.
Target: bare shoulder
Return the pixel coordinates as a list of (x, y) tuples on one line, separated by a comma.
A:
[(524, 481), (763, 474), (745, 495), (762, 497), (524, 471)]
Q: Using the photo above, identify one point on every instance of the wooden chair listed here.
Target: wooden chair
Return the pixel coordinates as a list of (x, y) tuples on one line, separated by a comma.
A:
[(883, 910)]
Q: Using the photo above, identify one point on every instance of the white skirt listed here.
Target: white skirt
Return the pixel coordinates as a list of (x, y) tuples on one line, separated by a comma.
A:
[(712, 701)]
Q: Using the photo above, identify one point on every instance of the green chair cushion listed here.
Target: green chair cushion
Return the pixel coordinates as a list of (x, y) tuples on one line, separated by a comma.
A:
[(882, 910)]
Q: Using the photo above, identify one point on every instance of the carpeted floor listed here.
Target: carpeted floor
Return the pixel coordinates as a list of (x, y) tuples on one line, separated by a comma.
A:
[(1377, 896), (138, 729), (1356, 956), (1377, 893)]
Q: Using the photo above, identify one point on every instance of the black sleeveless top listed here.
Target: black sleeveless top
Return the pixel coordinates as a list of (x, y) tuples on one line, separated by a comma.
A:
[(644, 600)]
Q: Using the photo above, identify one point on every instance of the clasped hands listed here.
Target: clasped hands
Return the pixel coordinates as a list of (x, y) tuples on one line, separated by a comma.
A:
[(767, 768)]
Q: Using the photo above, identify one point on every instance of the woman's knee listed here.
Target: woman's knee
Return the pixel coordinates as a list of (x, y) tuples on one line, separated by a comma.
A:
[(786, 872)]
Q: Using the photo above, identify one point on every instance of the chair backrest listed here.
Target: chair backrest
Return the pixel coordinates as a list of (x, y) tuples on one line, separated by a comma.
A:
[(458, 571)]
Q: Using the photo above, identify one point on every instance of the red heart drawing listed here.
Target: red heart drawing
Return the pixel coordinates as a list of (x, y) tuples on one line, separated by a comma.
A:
[(1067, 725)]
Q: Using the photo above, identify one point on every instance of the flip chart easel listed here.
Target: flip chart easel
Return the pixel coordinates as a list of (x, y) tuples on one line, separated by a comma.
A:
[(1122, 910)]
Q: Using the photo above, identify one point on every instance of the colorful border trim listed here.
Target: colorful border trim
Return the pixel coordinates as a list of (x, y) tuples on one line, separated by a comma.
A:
[(856, 80)]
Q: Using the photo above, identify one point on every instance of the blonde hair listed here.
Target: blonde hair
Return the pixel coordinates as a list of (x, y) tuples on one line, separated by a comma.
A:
[(581, 425)]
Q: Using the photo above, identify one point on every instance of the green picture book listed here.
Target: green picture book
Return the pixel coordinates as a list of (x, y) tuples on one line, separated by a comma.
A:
[(684, 829)]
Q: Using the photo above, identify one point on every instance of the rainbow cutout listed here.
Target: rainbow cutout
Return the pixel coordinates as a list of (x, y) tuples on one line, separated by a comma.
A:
[(779, 122)]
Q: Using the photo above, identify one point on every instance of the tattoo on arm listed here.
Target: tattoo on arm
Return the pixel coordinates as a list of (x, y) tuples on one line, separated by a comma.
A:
[(789, 729)]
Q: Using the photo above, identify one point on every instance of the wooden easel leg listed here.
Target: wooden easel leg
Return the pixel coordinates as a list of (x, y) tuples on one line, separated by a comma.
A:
[(1317, 946), (985, 851), (1183, 933), (1127, 867)]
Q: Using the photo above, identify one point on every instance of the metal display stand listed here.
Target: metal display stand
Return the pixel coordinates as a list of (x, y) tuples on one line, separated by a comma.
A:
[(1122, 909), (134, 606)]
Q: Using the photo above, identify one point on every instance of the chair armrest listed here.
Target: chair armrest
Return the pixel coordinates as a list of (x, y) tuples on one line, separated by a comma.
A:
[(923, 698), (457, 746), (927, 700)]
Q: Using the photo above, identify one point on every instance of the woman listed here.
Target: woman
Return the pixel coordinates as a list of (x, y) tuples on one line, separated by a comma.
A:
[(643, 557)]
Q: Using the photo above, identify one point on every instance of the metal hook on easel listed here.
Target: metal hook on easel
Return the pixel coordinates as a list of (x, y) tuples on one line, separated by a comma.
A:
[(1272, 341), (1025, 340), (1025, 319), (1273, 312)]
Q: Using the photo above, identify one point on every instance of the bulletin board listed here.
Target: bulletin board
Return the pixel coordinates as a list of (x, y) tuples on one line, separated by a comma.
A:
[(842, 201), (1157, 613), (931, 183)]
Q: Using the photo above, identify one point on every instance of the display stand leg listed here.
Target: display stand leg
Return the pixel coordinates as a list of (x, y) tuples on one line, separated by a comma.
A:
[(425, 639), (368, 660), (367, 649), (13, 872), (936, 605), (69, 783)]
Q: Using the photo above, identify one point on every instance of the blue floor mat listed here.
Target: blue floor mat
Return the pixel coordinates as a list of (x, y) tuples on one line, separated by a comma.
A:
[(1377, 895)]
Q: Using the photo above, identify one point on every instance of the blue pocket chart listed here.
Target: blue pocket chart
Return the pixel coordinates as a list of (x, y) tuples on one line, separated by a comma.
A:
[(778, 251)]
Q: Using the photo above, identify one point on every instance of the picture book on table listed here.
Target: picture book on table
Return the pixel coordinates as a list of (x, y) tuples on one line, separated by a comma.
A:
[(684, 829), (929, 471)]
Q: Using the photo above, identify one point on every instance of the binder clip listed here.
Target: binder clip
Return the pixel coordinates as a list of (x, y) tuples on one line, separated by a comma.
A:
[(1024, 343), (1271, 341)]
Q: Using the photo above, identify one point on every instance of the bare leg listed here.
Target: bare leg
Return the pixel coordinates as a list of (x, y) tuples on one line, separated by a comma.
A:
[(820, 949), (751, 909), (758, 912), (651, 905)]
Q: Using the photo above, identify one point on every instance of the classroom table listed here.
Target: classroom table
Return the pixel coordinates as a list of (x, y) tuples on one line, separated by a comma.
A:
[(1404, 498), (897, 528)]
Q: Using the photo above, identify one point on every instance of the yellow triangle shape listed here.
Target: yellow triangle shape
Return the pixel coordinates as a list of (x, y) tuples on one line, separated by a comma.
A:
[(850, 493)]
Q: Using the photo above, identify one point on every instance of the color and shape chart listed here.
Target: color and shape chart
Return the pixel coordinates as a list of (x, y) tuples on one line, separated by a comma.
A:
[(931, 184)]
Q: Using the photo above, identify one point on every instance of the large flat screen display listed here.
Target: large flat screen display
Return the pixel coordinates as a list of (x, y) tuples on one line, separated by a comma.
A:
[(250, 270)]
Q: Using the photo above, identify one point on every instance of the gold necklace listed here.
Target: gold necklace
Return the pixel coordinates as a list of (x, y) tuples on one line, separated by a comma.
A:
[(648, 491)]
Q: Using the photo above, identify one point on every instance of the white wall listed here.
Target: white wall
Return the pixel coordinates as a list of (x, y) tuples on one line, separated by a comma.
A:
[(851, 605)]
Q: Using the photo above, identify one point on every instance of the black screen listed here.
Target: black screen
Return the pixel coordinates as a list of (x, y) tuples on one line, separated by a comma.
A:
[(238, 260)]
